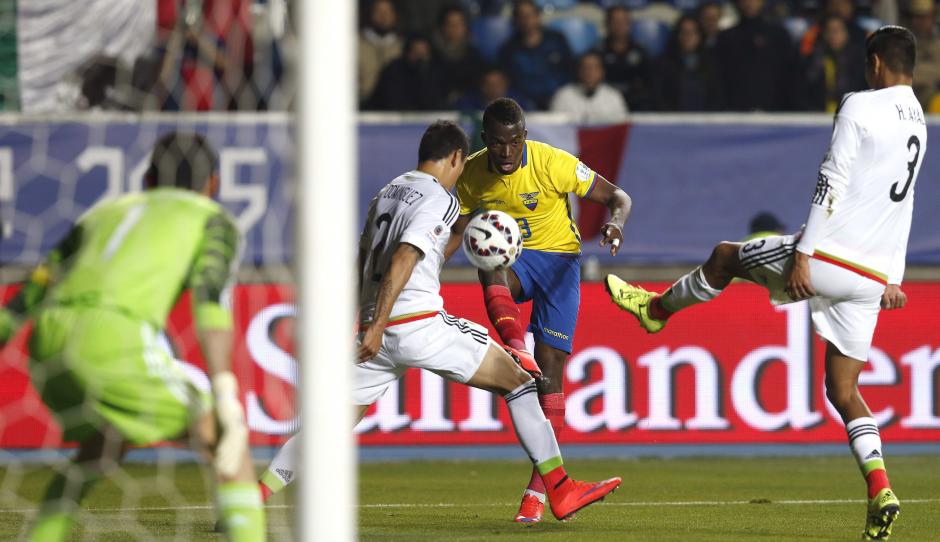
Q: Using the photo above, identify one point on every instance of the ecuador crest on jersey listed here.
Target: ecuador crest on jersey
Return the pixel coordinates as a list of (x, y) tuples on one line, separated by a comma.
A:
[(530, 200)]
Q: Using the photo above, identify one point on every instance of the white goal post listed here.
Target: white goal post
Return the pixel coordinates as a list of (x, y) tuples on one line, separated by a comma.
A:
[(327, 187)]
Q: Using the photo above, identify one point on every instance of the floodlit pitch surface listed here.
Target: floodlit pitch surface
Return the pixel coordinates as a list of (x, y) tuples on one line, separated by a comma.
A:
[(723, 499)]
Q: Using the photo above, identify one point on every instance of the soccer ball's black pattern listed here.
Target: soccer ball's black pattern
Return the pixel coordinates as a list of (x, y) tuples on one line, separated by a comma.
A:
[(492, 241)]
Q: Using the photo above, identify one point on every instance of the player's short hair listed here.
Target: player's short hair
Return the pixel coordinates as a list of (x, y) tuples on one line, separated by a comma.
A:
[(505, 111), (441, 139), (896, 46), (182, 160)]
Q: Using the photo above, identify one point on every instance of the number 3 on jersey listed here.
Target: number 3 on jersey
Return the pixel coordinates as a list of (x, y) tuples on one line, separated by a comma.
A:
[(912, 144), (524, 226)]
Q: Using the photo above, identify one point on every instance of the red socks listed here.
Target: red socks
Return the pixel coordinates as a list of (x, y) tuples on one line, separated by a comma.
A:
[(553, 405), (555, 478), (505, 316), (265, 492), (877, 480)]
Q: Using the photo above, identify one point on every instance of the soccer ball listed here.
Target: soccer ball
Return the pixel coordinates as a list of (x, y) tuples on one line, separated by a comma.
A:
[(492, 241)]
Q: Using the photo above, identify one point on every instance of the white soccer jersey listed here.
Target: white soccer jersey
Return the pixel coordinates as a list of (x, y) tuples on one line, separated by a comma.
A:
[(866, 184), (415, 209)]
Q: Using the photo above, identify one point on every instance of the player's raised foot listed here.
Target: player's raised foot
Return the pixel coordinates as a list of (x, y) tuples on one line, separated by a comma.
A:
[(531, 508), (573, 495), (883, 511), (634, 300)]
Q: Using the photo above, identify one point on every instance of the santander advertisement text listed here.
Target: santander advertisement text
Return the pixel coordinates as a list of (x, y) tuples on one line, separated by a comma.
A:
[(735, 370)]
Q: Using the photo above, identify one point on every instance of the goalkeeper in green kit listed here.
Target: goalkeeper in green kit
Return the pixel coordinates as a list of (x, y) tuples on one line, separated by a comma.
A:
[(99, 303)]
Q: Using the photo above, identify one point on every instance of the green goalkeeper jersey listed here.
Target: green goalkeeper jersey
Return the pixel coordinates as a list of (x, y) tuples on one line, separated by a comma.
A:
[(136, 254)]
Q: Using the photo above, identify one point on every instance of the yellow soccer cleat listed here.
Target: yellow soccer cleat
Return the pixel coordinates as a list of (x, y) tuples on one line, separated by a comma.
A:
[(634, 300), (883, 511)]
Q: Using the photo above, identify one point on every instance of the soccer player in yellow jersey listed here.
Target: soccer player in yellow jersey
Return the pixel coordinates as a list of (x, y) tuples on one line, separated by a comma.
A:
[(531, 181)]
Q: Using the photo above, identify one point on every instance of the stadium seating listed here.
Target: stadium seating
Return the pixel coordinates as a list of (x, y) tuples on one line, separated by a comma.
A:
[(651, 34), (869, 24), (556, 5), (582, 35), (631, 4), (489, 34), (685, 5)]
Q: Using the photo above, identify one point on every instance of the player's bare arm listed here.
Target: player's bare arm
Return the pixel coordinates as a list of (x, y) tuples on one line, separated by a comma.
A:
[(619, 204), (456, 234), (399, 271)]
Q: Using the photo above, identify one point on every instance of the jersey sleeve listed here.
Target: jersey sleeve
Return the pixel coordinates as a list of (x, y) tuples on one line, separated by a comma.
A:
[(568, 174), (213, 272), (833, 179), (430, 221)]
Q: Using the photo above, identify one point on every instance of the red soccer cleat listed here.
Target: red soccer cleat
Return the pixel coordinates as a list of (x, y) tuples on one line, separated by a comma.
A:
[(530, 510), (525, 360), (573, 495)]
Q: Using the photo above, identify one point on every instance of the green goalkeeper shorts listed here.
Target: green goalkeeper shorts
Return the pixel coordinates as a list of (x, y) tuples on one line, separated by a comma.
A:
[(95, 366)]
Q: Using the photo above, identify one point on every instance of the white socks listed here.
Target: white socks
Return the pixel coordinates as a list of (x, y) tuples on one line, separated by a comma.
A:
[(532, 427), (689, 290), (280, 472), (865, 441)]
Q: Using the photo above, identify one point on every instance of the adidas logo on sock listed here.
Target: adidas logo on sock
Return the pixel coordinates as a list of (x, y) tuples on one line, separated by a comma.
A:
[(285, 474), (875, 454)]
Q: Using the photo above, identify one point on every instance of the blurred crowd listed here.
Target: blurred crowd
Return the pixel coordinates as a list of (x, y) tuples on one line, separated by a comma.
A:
[(593, 60), (133, 55), (596, 60)]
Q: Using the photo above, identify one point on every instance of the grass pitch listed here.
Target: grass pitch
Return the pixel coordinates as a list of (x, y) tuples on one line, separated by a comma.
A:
[(727, 499)]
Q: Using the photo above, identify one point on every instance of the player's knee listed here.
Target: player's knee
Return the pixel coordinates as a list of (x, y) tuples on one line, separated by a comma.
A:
[(513, 377), (724, 253), (722, 258)]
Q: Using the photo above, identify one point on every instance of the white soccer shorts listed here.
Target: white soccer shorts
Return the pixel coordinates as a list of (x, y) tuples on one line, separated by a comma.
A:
[(845, 308), (451, 347)]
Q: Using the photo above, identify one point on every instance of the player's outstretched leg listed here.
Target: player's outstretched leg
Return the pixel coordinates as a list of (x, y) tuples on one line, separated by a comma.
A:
[(500, 374), (96, 457), (506, 318), (280, 473), (702, 284), (552, 401), (864, 440)]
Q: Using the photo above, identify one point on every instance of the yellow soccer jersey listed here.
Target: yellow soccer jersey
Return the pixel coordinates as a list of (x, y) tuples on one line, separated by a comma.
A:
[(536, 194)]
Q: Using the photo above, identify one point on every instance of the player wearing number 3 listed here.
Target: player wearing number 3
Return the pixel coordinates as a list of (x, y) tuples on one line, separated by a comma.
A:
[(531, 181), (849, 259)]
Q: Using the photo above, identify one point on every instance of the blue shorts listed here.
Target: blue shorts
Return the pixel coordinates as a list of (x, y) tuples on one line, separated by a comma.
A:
[(552, 281)]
